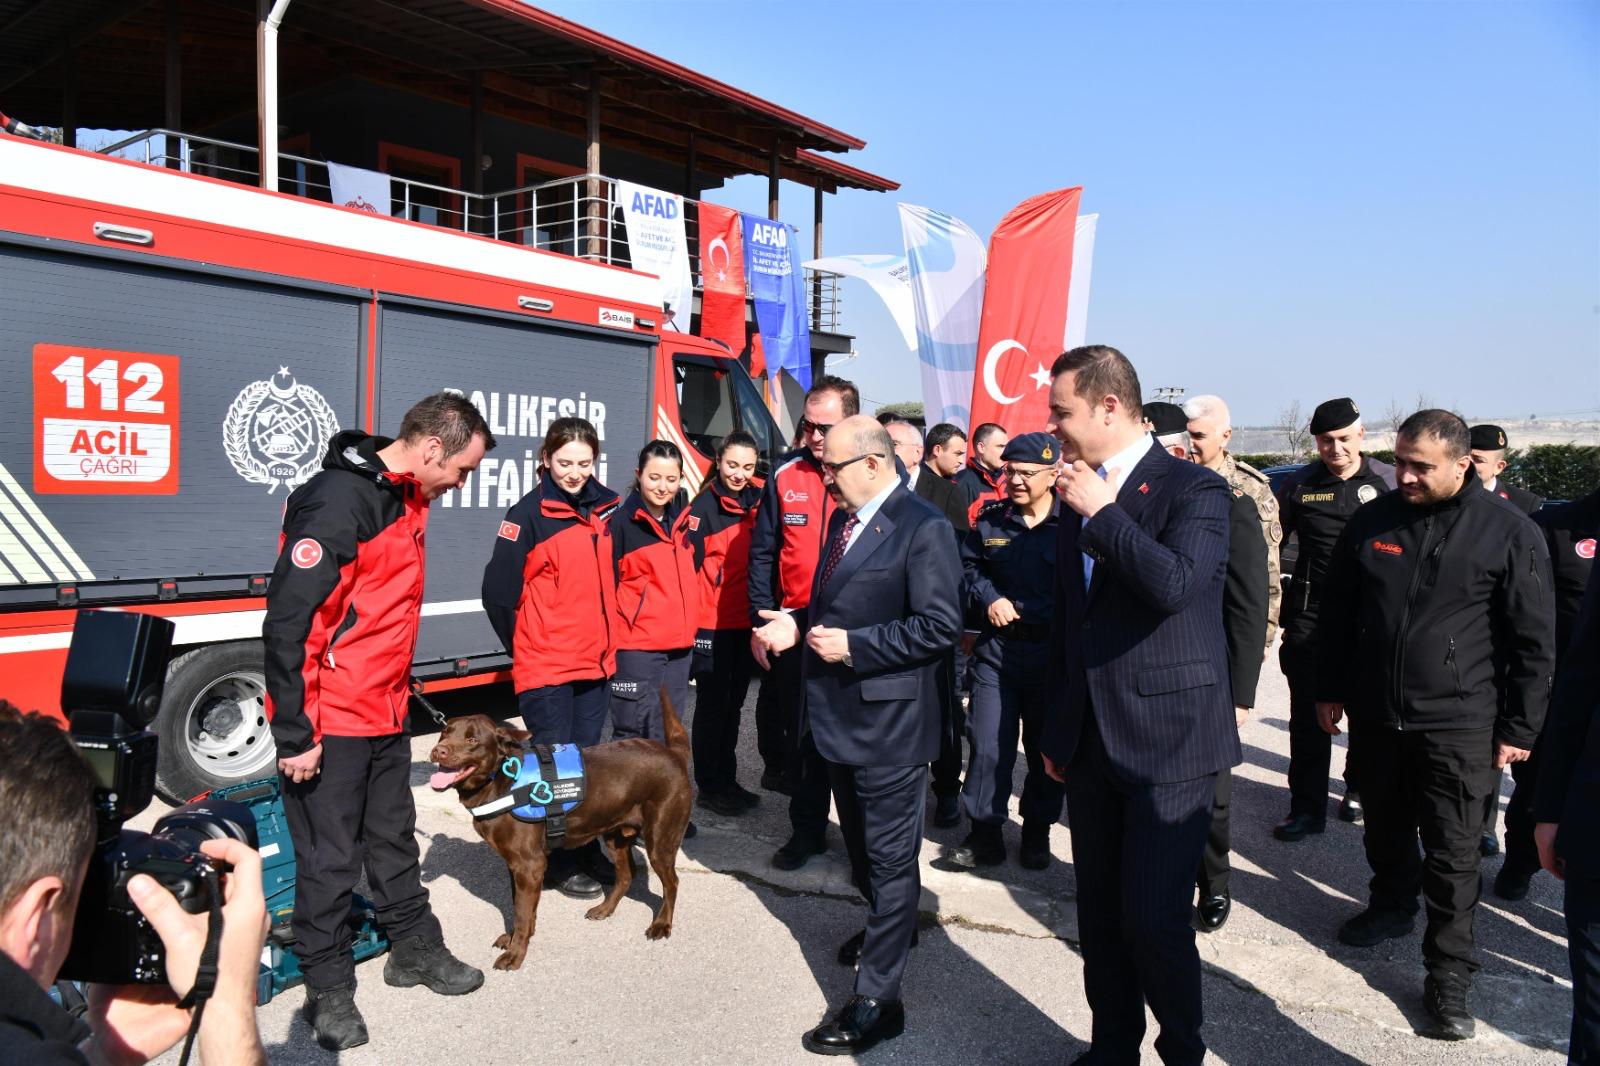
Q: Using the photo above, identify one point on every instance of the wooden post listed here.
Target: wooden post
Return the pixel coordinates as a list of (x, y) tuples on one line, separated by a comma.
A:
[(690, 163), (595, 210), (816, 253), (174, 86), (772, 183)]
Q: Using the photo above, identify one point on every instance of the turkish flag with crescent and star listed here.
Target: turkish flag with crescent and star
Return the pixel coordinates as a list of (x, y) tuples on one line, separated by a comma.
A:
[(722, 283), (1025, 311)]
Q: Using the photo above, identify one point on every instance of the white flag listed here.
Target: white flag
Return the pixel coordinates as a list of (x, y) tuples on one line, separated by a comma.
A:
[(1078, 286), (365, 190), (890, 278), (947, 262), (657, 245)]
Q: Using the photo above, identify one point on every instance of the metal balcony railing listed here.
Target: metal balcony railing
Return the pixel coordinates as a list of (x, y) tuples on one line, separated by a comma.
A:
[(576, 216)]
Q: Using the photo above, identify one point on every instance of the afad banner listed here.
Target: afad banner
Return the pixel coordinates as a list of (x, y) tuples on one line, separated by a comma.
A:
[(657, 245), (1025, 311), (722, 281), (778, 291)]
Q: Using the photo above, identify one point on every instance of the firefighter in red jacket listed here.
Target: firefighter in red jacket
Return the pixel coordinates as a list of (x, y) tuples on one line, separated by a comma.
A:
[(548, 593), (784, 550), (341, 624), (657, 599), (721, 521)]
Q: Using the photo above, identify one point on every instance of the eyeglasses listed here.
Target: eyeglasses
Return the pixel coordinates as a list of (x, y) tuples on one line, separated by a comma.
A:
[(808, 427), (834, 468), (1026, 475)]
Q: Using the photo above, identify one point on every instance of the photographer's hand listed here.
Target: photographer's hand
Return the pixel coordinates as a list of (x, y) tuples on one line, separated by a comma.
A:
[(228, 1028), (302, 767)]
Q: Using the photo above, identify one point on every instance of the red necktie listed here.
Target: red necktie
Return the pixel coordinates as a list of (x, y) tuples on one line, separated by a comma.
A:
[(841, 540)]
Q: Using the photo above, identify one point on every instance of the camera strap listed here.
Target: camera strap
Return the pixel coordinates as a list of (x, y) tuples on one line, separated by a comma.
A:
[(205, 974)]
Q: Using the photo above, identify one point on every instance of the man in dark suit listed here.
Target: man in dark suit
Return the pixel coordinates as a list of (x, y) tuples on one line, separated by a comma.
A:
[(1567, 809), (946, 498), (885, 613), (1144, 718)]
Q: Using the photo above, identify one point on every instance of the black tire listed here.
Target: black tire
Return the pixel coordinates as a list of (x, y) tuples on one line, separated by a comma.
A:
[(213, 726)]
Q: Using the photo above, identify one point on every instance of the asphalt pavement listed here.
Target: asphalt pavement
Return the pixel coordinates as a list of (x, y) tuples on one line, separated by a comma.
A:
[(996, 979)]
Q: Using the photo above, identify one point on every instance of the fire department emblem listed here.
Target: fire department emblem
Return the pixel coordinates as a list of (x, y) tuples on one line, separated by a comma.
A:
[(276, 431)]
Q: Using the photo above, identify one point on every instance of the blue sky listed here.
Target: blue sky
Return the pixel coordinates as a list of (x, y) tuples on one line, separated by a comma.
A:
[(1297, 200)]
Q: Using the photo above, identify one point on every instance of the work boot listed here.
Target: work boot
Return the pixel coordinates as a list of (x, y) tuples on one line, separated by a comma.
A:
[(1350, 808), (416, 961), (1035, 851), (983, 847), (1445, 996), (1511, 883), (1374, 926), (333, 1017)]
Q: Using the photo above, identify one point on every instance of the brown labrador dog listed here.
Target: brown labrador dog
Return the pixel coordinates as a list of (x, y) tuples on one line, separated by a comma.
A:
[(635, 789)]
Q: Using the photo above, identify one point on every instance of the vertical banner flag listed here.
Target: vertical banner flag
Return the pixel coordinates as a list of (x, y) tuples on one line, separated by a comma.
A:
[(1025, 311), (722, 279), (365, 190), (657, 245), (888, 275), (947, 266), (778, 291), (1078, 290)]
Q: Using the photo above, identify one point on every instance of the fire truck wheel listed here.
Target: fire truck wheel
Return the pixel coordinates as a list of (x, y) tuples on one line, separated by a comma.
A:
[(213, 722)]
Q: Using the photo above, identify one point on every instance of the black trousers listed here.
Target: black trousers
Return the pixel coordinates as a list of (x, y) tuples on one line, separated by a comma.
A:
[(636, 691), (808, 773), (1212, 878), (356, 814), (1522, 855), (953, 676), (1310, 749), (1135, 848), (1428, 784), (880, 816), (1009, 693), (571, 713), (770, 742), (1583, 952), (721, 682)]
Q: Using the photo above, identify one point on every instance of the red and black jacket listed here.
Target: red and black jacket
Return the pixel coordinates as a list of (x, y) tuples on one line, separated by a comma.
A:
[(548, 587), (658, 592), (721, 524), (345, 599), (786, 545), (982, 486)]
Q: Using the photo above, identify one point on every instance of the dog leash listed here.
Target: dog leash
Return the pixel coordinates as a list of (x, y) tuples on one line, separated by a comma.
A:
[(427, 704)]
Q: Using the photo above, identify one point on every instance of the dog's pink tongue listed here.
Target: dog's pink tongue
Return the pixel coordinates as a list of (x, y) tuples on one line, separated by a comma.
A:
[(443, 779)]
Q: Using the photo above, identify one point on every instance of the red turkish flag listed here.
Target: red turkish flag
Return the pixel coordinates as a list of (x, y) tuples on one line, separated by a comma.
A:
[(722, 282), (1024, 311)]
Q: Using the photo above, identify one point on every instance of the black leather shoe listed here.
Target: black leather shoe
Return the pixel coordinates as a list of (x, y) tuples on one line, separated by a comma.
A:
[(1511, 884), (415, 961), (947, 810), (723, 803), (1350, 810), (1445, 996), (1489, 845), (1374, 926), (776, 781), (335, 1021), (1211, 913), (983, 847), (576, 885), (742, 796), (860, 1024), (1034, 854), (797, 852), (850, 950), (1298, 827)]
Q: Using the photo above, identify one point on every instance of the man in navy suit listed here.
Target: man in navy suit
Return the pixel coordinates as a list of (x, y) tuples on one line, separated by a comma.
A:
[(1144, 719), (885, 616)]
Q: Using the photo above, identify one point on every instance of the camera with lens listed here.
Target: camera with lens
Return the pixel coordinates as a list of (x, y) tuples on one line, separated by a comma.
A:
[(111, 690)]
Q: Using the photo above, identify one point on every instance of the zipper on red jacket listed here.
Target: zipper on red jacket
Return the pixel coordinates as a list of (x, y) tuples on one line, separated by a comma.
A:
[(594, 542)]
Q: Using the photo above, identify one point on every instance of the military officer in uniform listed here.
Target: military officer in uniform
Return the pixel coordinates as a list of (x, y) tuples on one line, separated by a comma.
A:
[(1008, 562), (1210, 430), (1314, 503), (1489, 460)]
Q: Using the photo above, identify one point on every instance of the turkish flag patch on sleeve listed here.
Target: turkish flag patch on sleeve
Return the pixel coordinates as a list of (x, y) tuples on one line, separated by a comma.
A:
[(306, 553), (510, 530)]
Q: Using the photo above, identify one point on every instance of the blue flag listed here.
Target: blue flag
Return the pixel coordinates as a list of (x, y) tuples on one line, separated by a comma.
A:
[(772, 266)]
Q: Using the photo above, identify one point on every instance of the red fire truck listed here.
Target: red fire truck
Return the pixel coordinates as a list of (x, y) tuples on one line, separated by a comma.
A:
[(175, 352)]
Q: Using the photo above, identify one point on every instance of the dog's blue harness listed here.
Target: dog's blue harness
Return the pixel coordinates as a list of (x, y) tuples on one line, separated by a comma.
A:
[(547, 782)]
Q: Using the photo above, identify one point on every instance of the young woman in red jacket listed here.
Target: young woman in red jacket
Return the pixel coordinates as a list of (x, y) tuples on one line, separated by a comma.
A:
[(548, 593), (657, 598), (720, 522)]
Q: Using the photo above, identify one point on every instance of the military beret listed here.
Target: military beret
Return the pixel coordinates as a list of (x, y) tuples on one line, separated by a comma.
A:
[(1165, 418), (1488, 438), (1332, 415), (1032, 448)]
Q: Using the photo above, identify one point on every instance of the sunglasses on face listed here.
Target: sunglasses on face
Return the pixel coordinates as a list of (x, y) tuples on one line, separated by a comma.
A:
[(809, 427)]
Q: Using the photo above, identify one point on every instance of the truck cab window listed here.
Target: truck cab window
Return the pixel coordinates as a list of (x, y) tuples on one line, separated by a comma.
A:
[(705, 403)]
